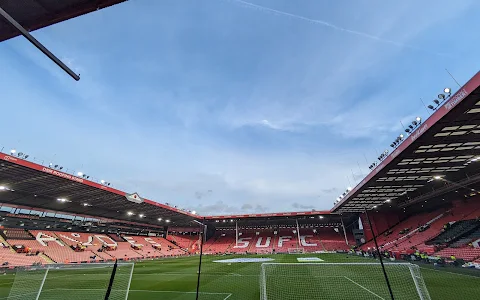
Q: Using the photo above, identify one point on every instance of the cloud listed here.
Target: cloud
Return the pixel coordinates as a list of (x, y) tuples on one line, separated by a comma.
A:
[(298, 206), (332, 26)]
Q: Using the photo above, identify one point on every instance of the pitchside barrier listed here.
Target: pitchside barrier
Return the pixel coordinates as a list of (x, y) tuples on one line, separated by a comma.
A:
[(75, 281), (296, 250), (319, 281)]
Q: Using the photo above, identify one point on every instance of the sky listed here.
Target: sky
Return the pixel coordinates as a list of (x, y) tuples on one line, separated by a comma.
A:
[(229, 106)]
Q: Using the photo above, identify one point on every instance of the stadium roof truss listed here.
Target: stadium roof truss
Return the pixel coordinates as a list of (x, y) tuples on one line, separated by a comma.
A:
[(29, 184), (36, 14), (441, 151)]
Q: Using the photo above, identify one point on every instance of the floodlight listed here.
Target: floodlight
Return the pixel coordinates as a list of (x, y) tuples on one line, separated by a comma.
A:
[(407, 130), (437, 177), (321, 217), (374, 206), (447, 90), (2, 188), (13, 151), (431, 107), (26, 156), (79, 173), (85, 204), (102, 181), (141, 215), (129, 213), (418, 119), (168, 221), (388, 200), (159, 219), (193, 212), (349, 188), (401, 136), (436, 102), (441, 97)]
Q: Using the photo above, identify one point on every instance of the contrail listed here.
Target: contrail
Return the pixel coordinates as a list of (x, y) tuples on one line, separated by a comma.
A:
[(332, 26)]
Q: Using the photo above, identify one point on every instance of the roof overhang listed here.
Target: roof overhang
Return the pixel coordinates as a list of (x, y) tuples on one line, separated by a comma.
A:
[(36, 14), (443, 145)]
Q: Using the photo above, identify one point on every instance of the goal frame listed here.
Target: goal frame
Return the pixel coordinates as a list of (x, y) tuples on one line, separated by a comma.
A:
[(43, 271), (423, 294)]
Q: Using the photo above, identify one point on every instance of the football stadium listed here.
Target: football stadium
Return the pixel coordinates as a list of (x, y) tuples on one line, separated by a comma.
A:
[(410, 229)]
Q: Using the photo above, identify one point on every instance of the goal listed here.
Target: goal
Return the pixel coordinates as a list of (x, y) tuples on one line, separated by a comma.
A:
[(296, 250), (75, 281), (322, 281)]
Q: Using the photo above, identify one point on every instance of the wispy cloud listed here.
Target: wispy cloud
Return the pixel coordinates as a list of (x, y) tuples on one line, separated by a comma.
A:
[(333, 26)]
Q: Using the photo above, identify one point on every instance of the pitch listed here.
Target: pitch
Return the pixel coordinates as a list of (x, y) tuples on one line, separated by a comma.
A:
[(176, 279)]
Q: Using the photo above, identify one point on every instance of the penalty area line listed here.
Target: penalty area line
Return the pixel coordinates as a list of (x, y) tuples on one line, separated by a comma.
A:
[(358, 284)]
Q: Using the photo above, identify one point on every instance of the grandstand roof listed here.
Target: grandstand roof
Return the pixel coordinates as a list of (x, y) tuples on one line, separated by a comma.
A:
[(29, 184), (38, 186), (36, 14), (444, 146)]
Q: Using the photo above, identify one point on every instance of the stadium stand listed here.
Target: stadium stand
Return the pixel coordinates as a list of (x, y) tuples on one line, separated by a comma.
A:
[(183, 241)]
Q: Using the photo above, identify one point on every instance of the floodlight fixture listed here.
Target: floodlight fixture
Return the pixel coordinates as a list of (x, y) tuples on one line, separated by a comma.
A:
[(168, 221), (194, 212), (2, 188), (159, 219), (130, 213), (431, 107), (320, 217), (436, 102), (79, 173), (349, 188), (437, 177), (388, 200), (13, 151), (141, 215), (447, 90), (441, 97)]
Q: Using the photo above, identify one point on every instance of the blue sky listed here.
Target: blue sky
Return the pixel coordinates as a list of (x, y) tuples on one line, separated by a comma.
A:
[(226, 106)]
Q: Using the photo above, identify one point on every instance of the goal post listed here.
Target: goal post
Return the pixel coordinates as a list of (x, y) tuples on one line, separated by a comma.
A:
[(322, 281), (296, 250), (78, 281)]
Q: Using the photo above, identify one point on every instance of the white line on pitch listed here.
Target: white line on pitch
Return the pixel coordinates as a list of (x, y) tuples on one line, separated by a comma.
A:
[(228, 296), (354, 282)]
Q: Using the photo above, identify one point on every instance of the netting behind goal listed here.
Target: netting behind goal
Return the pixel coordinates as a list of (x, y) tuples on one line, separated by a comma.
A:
[(318, 281), (72, 282)]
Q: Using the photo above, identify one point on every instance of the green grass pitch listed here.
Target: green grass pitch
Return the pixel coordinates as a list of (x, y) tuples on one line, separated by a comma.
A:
[(176, 279)]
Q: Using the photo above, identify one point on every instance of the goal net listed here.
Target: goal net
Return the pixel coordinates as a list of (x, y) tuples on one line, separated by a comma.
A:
[(75, 281), (296, 250), (318, 281)]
